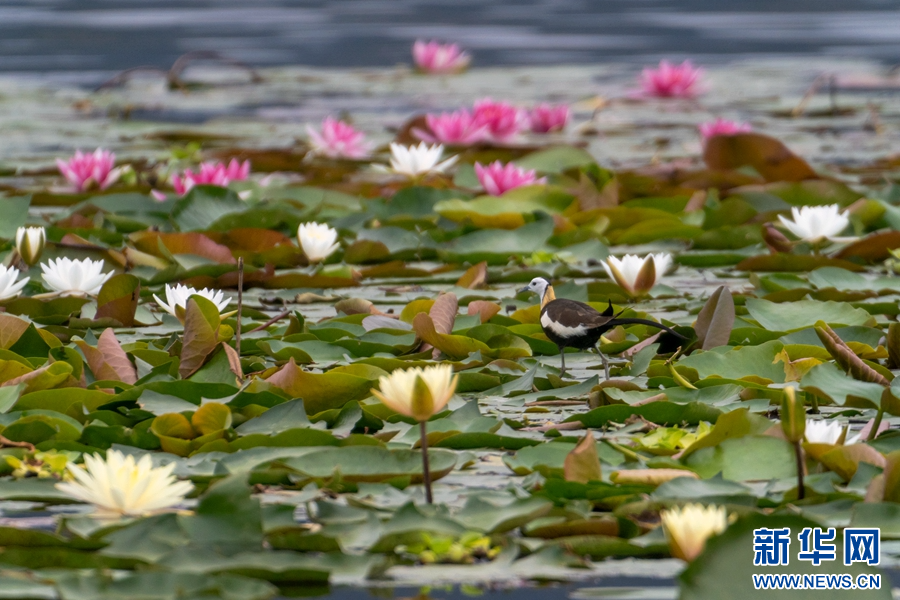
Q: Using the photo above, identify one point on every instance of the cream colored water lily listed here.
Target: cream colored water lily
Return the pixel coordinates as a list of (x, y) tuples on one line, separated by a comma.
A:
[(317, 240), (637, 275), (177, 297), (67, 277), (823, 432), (9, 287), (418, 393), (813, 224), (414, 161), (120, 485), (687, 528), (30, 243)]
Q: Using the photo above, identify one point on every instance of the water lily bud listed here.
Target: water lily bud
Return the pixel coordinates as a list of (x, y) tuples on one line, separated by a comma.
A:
[(793, 416), (417, 393), (775, 240), (688, 528), (30, 243)]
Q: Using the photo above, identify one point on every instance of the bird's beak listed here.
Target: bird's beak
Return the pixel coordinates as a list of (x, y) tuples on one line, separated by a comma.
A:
[(524, 289)]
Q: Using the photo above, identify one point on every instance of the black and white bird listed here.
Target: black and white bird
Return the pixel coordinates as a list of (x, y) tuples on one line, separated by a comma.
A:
[(573, 324)]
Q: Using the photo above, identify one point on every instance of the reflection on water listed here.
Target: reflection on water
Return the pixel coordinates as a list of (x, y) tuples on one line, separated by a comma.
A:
[(110, 35)]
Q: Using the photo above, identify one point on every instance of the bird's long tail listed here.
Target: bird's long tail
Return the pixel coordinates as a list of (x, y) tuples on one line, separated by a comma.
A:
[(633, 321)]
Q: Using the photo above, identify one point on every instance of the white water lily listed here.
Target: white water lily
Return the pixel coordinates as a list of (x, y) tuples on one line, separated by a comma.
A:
[(637, 275), (9, 287), (318, 241), (418, 393), (816, 223), (177, 297), (30, 243), (687, 528), (120, 485), (67, 277), (823, 432), (414, 161)]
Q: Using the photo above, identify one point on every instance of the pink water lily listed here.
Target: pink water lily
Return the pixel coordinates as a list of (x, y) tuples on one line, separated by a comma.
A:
[(338, 139), (722, 127), (211, 173), (545, 118), (497, 178), (439, 59), (457, 128), (671, 81), (502, 120), (88, 171)]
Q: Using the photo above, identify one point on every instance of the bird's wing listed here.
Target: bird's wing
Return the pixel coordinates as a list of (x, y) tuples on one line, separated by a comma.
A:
[(573, 313)]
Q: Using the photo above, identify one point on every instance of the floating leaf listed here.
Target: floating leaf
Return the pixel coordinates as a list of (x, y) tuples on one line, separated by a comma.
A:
[(211, 417), (791, 316), (324, 391), (372, 464)]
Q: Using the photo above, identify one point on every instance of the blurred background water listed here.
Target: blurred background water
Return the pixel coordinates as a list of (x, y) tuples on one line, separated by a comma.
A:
[(90, 39)]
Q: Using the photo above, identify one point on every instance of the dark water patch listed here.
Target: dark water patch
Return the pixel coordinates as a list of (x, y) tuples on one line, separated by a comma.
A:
[(109, 35)]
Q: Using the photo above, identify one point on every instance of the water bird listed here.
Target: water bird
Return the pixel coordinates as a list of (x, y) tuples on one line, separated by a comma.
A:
[(573, 324)]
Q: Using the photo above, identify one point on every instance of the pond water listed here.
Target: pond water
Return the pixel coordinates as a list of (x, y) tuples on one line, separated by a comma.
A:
[(88, 39)]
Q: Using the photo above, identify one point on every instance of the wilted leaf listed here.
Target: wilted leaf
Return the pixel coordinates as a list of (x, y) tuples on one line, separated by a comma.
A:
[(108, 361), (653, 477), (846, 358), (845, 460), (872, 248), (159, 244), (768, 156), (474, 277), (454, 346), (483, 308), (118, 299), (11, 329), (582, 464), (201, 334), (715, 320)]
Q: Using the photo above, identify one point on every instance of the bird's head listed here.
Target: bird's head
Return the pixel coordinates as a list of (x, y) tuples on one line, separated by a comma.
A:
[(542, 288)]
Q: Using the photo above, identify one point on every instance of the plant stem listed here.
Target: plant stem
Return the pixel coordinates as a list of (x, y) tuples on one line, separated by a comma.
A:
[(240, 308), (814, 400), (874, 431), (798, 452), (426, 472), (271, 321)]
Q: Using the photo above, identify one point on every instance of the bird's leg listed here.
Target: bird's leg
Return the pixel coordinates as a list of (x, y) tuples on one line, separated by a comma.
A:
[(604, 359), (562, 356)]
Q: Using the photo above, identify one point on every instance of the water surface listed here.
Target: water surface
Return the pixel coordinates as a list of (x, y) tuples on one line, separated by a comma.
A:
[(90, 38)]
